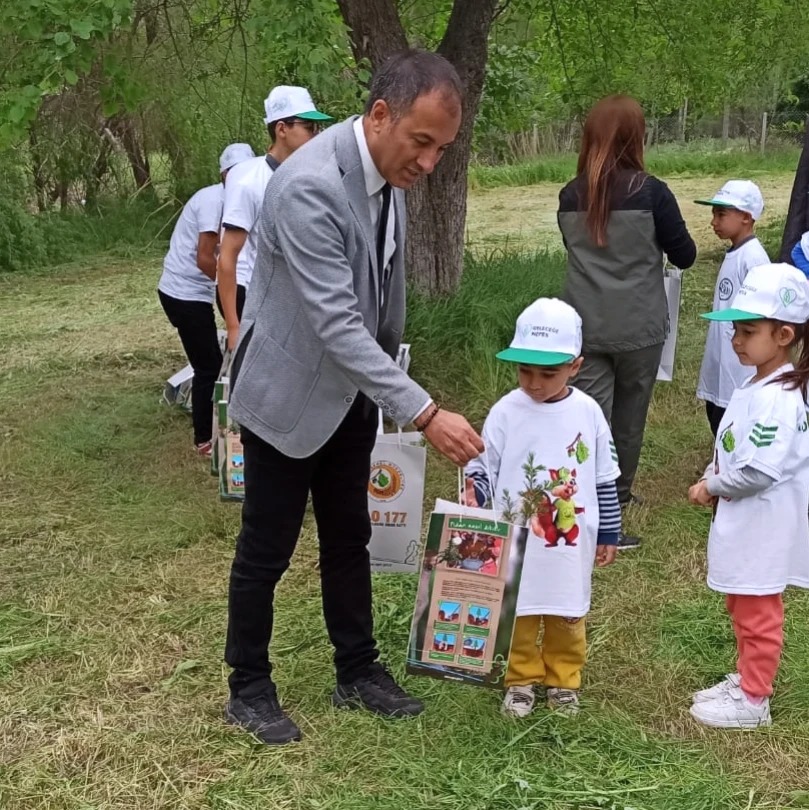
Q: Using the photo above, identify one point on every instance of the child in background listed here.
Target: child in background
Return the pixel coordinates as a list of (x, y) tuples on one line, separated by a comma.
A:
[(736, 208), (758, 485), (550, 464)]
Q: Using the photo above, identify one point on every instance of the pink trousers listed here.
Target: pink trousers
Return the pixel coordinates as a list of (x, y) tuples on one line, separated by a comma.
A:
[(758, 622)]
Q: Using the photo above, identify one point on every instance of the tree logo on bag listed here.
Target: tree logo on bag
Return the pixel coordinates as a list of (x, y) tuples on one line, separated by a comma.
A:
[(387, 481)]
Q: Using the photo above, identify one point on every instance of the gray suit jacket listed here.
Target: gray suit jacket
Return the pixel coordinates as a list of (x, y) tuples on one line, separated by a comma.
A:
[(310, 334)]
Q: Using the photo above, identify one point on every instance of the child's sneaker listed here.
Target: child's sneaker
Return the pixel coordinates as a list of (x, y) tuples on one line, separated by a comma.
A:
[(564, 701), (519, 701), (204, 449), (732, 709), (717, 690)]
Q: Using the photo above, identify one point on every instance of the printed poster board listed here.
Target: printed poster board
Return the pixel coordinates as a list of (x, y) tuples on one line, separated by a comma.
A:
[(467, 597)]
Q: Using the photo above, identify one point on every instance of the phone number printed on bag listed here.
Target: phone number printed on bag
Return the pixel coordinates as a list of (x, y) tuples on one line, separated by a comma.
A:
[(388, 518)]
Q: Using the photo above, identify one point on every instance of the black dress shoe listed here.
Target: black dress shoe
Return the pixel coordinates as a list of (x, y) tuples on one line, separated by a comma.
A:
[(262, 716), (377, 692)]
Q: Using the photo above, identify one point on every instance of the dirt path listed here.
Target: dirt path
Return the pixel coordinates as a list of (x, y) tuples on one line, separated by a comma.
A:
[(524, 217)]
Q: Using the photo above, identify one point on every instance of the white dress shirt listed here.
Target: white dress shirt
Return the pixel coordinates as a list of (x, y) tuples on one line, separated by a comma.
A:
[(374, 183)]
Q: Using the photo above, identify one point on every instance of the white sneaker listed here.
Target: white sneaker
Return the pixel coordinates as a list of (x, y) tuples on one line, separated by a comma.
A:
[(519, 701), (717, 690), (732, 709), (564, 701)]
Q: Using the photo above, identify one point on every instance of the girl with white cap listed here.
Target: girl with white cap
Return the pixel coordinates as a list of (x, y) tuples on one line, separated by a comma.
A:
[(758, 486)]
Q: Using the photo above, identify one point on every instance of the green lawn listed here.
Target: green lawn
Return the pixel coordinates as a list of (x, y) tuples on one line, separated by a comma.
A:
[(114, 553)]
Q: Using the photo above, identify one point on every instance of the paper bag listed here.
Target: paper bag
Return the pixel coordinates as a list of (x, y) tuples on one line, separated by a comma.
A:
[(395, 498), (673, 284), (467, 596), (177, 390)]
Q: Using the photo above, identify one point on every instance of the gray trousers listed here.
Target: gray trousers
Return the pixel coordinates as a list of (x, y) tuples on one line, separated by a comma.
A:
[(622, 384)]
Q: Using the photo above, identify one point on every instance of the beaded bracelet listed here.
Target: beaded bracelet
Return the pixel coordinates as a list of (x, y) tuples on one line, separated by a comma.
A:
[(429, 419)]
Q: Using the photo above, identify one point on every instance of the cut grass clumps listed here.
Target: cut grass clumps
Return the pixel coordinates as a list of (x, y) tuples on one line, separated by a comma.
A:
[(114, 561)]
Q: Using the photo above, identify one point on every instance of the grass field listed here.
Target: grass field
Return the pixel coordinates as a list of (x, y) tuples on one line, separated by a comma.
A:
[(114, 553)]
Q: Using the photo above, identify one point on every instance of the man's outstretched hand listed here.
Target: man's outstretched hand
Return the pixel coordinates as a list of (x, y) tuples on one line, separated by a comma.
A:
[(452, 436)]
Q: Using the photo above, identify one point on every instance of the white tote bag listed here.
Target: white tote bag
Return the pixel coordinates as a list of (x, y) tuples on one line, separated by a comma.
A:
[(673, 284), (395, 501)]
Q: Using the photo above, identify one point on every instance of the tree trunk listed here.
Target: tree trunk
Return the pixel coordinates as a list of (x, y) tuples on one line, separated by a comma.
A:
[(798, 215), (37, 169), (93, 182), (726, 124), (436, 206), (124, 128)]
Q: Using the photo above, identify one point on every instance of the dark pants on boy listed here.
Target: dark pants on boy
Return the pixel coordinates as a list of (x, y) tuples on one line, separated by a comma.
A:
[(715, 414), (622, 384), (196, 325), (276, 491)]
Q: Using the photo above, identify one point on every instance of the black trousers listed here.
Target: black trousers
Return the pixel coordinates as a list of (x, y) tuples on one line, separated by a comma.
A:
[(241, 294), (715, 414), (276, 492), (196, 325), (622, 383)]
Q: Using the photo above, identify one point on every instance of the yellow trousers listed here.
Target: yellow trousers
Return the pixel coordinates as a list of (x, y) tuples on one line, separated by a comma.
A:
[(556, 660)]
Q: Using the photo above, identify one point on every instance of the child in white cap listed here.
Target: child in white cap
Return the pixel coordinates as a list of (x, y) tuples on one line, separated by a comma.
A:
[(550, 464), (187, 286), (758, 486), (737, 206), (292, 120)]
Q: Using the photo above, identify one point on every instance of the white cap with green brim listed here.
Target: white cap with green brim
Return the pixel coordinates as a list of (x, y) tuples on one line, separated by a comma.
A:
[(778, 292), (548, 333), (285, 101), (744, 195)]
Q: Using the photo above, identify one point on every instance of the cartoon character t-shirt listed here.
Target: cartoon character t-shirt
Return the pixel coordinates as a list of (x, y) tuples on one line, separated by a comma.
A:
[(760, 544), (543, 462)]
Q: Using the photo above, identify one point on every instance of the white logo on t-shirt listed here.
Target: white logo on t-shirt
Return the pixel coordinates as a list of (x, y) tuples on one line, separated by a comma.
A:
[(725, 289)]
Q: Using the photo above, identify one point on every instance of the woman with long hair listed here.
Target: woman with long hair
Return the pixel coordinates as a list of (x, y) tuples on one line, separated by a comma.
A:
[(617, 223)]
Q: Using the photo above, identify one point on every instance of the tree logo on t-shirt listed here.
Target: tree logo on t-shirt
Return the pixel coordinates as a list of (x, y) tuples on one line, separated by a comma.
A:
[(578, 449), (725, 289), (727, 439)]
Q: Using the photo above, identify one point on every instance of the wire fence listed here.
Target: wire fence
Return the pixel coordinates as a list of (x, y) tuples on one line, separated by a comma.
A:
[(734, 129)]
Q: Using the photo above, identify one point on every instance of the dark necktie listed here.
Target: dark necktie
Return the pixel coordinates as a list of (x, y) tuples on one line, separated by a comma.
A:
[(381, 233)]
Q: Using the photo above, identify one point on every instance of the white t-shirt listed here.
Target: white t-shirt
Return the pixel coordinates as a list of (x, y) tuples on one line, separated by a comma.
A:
[(181, 277), (759, 545), (722, 373), (569, 445), (244, 196)]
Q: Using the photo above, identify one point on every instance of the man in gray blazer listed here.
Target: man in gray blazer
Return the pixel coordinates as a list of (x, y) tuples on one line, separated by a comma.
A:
[(315, 362)]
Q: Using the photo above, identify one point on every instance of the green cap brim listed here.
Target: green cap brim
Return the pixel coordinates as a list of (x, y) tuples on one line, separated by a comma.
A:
[(528, 357), (314, 115), (719, 203), (731, 315)]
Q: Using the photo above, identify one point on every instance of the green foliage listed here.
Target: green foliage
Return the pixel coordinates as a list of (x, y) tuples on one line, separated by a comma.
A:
[(21, 244), (48, 44), (670, 160), (467, 329), (119, 228)]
